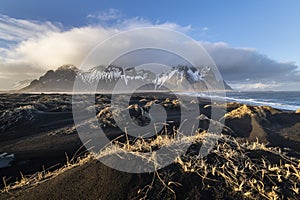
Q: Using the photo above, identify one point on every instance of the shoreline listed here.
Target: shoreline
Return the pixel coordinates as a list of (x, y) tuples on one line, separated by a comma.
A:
[(214, 95)]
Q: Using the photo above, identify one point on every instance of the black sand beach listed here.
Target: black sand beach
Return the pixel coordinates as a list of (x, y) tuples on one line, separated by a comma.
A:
[(38, 129)]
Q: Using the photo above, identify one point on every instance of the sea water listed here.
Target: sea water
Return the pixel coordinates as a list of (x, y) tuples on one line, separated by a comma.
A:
[(284, 100)]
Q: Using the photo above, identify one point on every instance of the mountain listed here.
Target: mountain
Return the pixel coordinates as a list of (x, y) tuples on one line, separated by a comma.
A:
[(184, 76), (21, 84), (106, 78), (60, 80)]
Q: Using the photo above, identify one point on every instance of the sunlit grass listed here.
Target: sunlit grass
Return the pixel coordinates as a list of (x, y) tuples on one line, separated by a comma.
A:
[(229, 164)]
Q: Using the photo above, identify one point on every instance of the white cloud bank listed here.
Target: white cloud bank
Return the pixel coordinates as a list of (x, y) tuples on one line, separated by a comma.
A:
[(31, 47)]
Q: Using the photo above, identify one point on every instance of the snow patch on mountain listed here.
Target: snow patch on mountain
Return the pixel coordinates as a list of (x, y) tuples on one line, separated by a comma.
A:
[(63, 78)]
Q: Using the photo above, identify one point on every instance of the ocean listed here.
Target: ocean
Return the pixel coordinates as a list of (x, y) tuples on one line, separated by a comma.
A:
[(284, 100)]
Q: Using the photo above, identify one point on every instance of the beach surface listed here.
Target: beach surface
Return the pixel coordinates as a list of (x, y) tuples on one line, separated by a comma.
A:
[(39, 144)]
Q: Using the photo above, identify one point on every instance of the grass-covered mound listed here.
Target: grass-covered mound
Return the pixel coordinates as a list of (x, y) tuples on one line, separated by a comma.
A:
[(235, 169)]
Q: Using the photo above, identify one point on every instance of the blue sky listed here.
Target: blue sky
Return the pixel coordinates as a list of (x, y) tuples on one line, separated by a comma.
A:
[(269, 27)]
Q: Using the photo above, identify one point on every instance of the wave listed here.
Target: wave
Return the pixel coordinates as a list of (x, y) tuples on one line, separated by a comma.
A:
[(265, 102), (285, 104)]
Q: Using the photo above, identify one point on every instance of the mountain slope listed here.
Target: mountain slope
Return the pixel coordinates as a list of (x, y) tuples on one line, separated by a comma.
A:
[(178, 78), (59, 80)]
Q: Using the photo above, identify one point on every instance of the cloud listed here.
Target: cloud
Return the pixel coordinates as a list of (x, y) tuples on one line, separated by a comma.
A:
[(55, 49), (15, 30), (114, 18), (105, 16), (12, 72), (139, 22), (49, 51), (36, 46), (241, 64), (256, 86), (267, 85), (47, 46)]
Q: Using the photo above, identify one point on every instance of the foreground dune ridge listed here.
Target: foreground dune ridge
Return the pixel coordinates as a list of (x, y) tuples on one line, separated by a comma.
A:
[(233, 163)]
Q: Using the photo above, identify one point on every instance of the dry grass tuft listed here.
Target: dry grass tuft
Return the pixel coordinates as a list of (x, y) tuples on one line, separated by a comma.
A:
[(242, 167), (43, 176), (239, 112), (249, 170)]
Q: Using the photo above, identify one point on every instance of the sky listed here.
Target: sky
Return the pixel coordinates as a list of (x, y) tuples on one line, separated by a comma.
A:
[(255, 44)]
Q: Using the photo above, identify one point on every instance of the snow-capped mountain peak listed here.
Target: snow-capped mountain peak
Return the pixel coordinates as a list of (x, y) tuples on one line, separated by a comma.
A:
[(63, 78)]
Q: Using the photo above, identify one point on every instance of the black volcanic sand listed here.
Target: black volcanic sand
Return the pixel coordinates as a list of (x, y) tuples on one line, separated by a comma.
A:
[(40, 136), (94, 180), (39, 130), (97, 181)]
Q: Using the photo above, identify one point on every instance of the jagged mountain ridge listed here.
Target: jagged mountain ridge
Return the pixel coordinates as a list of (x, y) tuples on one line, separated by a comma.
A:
[(179, 77), (59, 80)]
